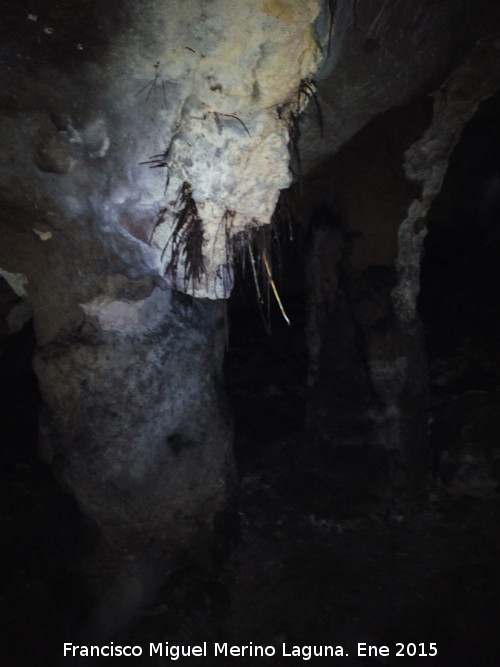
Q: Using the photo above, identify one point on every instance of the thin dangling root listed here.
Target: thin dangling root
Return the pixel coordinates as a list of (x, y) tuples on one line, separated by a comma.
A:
[(260, 300), (273, 286)]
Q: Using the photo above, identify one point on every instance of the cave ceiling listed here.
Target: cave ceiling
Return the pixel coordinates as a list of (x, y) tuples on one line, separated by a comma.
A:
[(165, 129)]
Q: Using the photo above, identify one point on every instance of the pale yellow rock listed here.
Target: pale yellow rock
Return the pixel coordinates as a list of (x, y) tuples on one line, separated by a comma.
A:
[(230, 143), (43, 236)]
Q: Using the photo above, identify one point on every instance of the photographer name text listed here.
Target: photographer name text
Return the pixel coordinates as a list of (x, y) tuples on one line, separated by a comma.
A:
[(203, 650)]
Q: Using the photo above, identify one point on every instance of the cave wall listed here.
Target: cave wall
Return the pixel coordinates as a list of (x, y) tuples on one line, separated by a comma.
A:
[(459, 308), (365, 213), (132, 407), (141, 118), (367, 369)]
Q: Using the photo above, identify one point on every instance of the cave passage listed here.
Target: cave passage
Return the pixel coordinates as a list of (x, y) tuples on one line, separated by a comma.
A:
[(249, 317), (396, 571)]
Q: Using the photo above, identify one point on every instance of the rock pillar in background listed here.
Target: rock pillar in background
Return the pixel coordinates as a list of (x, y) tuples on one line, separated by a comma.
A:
[(367, 415)]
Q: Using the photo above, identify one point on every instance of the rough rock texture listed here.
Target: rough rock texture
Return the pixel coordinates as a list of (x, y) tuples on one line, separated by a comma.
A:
[(366, 205), (426, 161), (386, 54), (164, 122), (134, 420), (137, 139), (140, 138)]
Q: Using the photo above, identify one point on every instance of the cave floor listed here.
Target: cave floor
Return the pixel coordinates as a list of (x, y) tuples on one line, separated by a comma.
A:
[(418, 572)]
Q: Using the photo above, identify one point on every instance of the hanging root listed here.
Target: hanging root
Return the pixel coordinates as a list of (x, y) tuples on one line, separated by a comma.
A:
[(186, 241), (275, 291), (294, 134), (283, 214), (256, 244), (308, 90), (160, 219), (152, 85), (289, 113)]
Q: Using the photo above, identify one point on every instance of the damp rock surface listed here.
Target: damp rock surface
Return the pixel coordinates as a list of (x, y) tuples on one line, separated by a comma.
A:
[(107, 113)]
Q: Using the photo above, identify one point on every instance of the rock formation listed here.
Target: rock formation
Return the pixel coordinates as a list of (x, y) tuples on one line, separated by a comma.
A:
[(142, 141)]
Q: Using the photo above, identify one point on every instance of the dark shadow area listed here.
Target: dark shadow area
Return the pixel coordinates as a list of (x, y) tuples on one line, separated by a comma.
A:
[(460, 309), (43, 534), (53, 30), (266, 358)]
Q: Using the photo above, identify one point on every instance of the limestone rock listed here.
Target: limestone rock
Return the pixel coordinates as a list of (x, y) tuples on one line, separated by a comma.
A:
[(110, 118)]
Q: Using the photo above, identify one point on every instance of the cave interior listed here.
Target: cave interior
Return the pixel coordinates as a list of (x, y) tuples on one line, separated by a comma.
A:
[(358, 389)]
